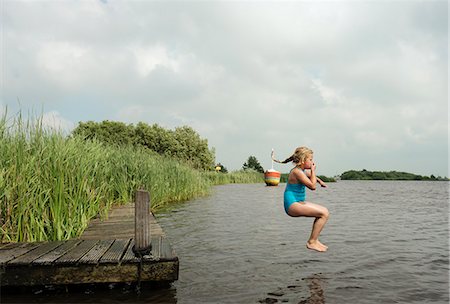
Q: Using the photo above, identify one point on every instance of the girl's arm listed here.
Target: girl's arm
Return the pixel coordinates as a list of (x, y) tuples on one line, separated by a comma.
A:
[(321, 182), (309, 181)]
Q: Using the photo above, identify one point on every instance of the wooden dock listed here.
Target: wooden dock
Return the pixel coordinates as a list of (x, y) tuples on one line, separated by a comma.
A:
[(103, 254)]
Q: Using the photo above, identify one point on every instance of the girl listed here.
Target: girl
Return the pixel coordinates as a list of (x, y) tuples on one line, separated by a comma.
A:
[(294, 194)]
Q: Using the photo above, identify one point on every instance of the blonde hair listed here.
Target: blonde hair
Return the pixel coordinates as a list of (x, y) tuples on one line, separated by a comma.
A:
[(300, 155)]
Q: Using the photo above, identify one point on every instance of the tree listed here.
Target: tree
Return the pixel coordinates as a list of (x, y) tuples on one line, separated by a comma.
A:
[(253, 163), (221, 168), (183, 143)]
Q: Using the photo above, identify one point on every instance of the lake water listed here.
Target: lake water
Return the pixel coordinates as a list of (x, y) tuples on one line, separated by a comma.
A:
[(388, 243)]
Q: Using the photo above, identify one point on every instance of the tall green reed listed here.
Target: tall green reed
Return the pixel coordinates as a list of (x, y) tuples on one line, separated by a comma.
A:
[(51, 185), (235, 177)]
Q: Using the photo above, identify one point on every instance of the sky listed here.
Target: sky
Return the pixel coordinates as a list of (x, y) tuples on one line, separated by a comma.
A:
[(364, 84)]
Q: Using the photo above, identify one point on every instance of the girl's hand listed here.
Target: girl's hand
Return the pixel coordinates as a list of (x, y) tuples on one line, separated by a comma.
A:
[(322, 184), (313, 167)]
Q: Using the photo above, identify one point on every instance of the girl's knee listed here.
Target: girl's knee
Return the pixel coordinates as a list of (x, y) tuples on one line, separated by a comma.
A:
[(326, 213)]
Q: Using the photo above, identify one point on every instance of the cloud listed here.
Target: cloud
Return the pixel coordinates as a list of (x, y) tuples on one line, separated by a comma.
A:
[(149, 58), (357, 81)]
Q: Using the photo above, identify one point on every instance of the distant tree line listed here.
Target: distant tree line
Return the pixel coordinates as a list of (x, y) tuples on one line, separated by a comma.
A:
[(183, 143), (392, 175)]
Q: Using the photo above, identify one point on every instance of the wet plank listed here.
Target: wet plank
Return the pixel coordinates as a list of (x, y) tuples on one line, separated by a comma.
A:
[(96, 252), (55, 254), (129, 254), (166, 250), (115, 252), (16, 251), (156, 246), (32, 255), (74, 255), (118, 225), (6, 246)]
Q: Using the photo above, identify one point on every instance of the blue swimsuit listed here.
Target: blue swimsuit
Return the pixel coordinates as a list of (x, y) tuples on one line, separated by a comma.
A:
[(293, 193)]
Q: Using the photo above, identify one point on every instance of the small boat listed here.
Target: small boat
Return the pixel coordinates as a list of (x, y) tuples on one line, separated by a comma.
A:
[(272, 177)]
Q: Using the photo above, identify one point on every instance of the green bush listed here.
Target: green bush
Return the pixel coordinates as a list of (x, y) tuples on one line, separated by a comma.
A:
[(183, 143)]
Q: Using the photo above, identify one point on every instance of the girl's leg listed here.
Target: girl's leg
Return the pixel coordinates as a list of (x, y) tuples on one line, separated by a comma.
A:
[(312, 210)]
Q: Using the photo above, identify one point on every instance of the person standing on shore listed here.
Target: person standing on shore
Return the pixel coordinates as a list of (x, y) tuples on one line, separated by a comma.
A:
[(301, 176)]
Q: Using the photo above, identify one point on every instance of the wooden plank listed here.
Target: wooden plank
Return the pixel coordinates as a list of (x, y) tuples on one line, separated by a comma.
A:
[(98, 236), (77, 252), (96, 252), (115, 252), (35, 253), (7, 246), (166, 250), (53, 255), (119, 225), (13, 252), (129, 254), (156, 248), (3, 245)]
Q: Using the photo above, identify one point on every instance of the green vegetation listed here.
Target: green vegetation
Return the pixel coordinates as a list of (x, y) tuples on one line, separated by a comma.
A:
[(392, 175), (252, 163), (236, 177), (183, 143), (51, 185), (221, 168)]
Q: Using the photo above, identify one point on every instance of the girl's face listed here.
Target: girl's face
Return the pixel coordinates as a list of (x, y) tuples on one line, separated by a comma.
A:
[(308, 162)]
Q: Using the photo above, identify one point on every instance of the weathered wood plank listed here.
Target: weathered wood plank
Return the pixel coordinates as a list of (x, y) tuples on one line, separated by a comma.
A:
[(76, 253), (115, 252), (32, 255), (96, 252), (7, 246), (53, 255), (167, 252), (13, 252), (3, 245), (156, 246), (129, 254), (120, 224)]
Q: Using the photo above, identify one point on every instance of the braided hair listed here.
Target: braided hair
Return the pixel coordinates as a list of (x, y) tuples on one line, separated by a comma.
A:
[(299, 156)]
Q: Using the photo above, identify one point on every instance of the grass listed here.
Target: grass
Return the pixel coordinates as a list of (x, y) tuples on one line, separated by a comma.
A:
[(52, 185)]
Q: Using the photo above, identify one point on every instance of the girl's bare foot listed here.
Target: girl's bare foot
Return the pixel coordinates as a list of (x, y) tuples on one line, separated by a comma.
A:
[(316, 246), (323, 245)]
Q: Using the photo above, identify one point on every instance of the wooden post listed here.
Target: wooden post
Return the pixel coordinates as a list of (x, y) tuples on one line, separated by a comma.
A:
[(142, 223)]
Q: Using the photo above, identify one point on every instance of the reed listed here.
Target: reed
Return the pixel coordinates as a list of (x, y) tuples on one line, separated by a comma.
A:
[(51, 185), (235, 177)]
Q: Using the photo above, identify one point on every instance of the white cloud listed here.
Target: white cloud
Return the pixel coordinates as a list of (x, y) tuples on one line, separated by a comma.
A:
[(63, 62), (151, 57), (343, 77)]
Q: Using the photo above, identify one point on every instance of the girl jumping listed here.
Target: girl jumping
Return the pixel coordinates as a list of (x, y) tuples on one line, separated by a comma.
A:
[(301, 176)]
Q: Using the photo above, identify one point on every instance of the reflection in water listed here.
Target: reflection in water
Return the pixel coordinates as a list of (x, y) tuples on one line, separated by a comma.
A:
[(90, 293), (297, 293), (315, 288)]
